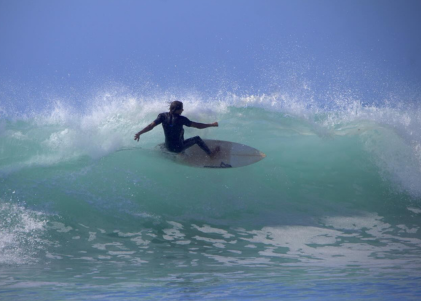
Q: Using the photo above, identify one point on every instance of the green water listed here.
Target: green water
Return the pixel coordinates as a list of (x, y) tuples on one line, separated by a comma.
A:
[(333, 208)]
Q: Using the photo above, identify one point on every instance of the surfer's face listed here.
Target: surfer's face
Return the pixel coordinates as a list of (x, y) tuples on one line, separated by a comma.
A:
[(178, 112)]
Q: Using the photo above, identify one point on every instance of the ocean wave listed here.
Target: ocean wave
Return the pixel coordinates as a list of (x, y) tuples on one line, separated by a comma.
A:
[(108, 122)]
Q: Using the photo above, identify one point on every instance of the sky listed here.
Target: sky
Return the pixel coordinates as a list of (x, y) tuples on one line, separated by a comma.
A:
[(245, 46)]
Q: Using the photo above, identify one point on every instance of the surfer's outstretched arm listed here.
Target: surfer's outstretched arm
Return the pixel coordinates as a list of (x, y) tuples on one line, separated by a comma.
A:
[(146, 129), (198, 125)]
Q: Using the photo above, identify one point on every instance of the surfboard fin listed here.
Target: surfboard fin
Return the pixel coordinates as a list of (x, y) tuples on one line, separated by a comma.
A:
[(222, 165)]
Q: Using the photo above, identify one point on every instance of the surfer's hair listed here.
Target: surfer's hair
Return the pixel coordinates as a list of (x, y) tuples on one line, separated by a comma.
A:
[(175, 106)]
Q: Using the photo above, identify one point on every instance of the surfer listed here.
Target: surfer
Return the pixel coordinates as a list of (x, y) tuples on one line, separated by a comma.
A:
[(172, 123)]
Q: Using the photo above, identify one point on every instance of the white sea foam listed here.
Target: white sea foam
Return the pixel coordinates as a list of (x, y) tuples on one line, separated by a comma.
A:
[(20, 234)]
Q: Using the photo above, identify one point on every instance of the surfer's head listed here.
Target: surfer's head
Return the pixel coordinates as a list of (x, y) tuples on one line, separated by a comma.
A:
[(176, 107)]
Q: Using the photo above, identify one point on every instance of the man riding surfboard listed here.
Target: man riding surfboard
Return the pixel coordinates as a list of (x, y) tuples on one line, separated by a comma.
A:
[(172, 123)]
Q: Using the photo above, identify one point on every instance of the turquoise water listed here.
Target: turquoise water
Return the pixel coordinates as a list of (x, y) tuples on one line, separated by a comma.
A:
[(333, 211)]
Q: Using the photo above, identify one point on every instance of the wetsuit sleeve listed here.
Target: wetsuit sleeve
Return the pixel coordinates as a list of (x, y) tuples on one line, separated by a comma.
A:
[(159, 119), (186, 121)]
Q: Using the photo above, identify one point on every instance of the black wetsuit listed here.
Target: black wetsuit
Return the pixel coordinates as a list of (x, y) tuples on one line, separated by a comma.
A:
[(174, 133)]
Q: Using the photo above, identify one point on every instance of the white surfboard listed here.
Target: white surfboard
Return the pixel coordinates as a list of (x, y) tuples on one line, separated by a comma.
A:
[(231, 155)]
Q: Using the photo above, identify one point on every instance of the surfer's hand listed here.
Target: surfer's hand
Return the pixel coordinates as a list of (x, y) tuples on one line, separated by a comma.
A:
[(136, 137), (215, 124)]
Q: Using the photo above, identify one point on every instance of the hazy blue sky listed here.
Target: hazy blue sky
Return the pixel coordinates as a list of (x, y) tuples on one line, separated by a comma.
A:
[(243, 44)]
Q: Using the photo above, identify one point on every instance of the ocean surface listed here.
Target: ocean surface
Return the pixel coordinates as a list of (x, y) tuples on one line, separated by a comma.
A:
[(332, 213)]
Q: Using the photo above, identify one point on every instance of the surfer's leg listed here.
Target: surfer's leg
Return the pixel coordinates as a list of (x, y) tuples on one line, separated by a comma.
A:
[(196, 140)]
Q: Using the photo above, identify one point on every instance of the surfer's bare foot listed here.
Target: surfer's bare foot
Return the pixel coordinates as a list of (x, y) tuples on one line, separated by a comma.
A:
[(214, 152)]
